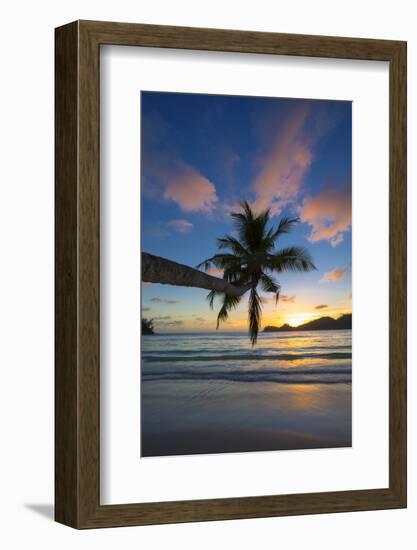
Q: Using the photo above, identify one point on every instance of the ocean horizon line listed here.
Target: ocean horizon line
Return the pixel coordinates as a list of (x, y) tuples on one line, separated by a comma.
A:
[(190, 332)]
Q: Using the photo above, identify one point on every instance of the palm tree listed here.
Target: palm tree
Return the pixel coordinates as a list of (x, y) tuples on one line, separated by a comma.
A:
[(250, 260)]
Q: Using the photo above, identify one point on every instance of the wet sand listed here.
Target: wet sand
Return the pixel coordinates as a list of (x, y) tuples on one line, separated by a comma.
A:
[(187, 417)]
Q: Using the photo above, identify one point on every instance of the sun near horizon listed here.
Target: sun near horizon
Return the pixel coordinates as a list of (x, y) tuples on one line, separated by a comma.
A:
[(273, 315), (297, 319)]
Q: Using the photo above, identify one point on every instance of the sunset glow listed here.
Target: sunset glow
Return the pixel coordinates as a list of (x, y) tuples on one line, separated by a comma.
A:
[(296, 319), (247, 344), (201, 155)]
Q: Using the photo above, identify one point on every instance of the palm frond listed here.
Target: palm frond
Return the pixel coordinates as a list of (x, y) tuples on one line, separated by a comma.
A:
[(238, 275), (210, 297), (233, 244), (225, 261), (251, 228), (255, 312), (247, 210), (293, 258), (221, 261), (263, 217), (229, 303), (285, 226), (240, 223), (268, 284)]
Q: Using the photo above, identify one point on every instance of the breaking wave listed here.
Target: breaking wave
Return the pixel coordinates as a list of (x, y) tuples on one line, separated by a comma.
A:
[(283, 376), (245, 357)]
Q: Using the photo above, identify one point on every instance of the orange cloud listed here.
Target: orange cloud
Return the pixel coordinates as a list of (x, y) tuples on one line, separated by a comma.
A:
[(182, 226), (283, 168), (191, 190), (336, 274), (329, 213)]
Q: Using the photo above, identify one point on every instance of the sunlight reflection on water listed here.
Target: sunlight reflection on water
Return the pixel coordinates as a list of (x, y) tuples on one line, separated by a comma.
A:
[(216, 385)]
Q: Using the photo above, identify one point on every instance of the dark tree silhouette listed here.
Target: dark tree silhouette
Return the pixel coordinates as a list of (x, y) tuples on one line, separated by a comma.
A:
[(147, 326), (250, 260)]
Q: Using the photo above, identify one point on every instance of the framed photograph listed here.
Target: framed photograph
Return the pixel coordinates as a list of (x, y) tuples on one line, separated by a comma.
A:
[(230, 274)]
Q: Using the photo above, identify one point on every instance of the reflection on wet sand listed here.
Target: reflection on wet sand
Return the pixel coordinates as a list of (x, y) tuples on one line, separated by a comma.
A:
[(226, 404)]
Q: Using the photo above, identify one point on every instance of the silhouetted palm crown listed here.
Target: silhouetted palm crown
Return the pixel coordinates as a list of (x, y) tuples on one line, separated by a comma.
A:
[(251, 259)]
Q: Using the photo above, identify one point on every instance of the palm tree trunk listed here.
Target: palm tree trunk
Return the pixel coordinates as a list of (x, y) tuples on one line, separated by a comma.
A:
[(160, 270)]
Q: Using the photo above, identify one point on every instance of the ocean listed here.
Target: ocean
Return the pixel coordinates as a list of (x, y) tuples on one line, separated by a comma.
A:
[(214, 393)]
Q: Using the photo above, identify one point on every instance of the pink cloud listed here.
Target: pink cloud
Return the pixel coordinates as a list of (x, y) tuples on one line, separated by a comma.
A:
[(182, 226), (166, 175), (329, 214), (336, 274), (283, 168), (191, 191), (215, 272)]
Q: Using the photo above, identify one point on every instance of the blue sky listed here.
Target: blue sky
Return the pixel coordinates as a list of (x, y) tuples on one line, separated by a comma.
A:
[(202, 154)]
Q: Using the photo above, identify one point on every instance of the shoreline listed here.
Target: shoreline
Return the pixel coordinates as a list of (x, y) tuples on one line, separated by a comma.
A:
[(212, 417)]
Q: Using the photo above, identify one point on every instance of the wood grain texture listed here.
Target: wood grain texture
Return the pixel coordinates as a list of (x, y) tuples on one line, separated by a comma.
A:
[(78, 285), (66, 237), (398, 273)]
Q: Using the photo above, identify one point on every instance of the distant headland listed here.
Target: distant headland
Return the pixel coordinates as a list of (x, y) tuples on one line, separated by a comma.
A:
[(324, 323)]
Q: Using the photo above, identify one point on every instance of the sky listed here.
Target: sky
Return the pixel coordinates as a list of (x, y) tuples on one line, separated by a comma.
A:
[(202, 154)]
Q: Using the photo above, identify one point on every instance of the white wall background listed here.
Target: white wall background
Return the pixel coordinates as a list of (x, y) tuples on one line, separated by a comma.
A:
[(26, 272)]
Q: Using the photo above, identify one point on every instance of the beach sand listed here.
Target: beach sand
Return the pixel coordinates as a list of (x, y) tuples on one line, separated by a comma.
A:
[(193, 417)]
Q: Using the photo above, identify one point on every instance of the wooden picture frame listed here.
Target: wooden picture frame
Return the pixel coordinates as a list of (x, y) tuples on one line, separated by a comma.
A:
[(77, 382)]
